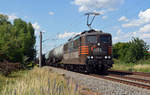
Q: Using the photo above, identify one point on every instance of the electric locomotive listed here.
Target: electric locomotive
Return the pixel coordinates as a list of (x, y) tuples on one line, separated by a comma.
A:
[(90, 51)]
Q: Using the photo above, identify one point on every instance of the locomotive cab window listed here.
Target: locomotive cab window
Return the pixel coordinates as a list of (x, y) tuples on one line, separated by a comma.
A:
[(91, 39), (105, 38)]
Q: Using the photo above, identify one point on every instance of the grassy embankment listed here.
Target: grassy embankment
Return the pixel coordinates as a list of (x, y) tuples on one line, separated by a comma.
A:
[(140, 66), (37, 82)]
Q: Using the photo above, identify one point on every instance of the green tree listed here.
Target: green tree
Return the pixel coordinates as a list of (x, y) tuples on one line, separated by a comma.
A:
[(137, 50), (4, 19), (132, 51), (119, 50), (17, 40), (5, 35)]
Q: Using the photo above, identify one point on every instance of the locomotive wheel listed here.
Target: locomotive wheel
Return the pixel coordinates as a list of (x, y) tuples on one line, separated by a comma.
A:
[(104, 70), (89, 69), (71, 67)]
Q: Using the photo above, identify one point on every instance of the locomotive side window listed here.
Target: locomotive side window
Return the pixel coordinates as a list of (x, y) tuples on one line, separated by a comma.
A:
[(76, 43), (70, 46), (91, 39), (66, 48), (105, 38)]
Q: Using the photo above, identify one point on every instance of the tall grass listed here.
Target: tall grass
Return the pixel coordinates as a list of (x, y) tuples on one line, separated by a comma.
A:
[(11, 78), (41, 81), (140, 66)]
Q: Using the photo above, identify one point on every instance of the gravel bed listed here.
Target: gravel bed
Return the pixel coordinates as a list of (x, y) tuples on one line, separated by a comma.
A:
[(104, 87)]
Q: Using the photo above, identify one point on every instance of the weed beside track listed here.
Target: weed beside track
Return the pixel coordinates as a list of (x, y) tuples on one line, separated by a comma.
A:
[(40, 81)]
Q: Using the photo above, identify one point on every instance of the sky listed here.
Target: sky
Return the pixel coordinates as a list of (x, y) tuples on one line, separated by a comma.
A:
[(61, 19)]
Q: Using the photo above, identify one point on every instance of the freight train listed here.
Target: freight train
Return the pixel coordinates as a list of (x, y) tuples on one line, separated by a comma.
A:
[(90, 51)]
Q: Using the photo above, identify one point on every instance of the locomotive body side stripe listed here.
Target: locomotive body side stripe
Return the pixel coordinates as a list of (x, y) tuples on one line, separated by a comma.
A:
[(109, 50), (83, 50)]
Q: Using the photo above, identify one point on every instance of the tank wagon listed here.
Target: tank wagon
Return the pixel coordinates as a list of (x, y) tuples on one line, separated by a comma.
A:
[(89, 51)]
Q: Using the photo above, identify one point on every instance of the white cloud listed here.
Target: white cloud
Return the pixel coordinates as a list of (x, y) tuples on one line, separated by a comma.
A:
[(145, 28), (91, 5), (67, 34), (145, 36), (122, 36), (12, 16), (143, 33), (143, 18), (123, 18), (51, 13), (26, 17), (119, 32), (104, 17), (116, 38), (36, 26)]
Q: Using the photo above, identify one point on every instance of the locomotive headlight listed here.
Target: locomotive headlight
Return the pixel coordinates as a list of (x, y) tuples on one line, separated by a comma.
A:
[(92, 57), (98, 44), (105, 57), (109, 57), (88, 57)]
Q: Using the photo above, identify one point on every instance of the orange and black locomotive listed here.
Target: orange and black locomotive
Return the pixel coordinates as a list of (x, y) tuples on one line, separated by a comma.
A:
[(89, 51)]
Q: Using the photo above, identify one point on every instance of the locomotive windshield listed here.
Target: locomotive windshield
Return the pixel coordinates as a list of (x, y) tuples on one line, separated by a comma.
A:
[(105, 38), (91, 39)]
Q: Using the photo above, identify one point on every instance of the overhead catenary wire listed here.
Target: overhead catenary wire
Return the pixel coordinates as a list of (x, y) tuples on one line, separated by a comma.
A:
[(77, 21)]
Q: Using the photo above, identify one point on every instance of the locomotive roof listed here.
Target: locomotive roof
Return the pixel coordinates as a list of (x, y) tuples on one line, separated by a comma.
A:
[(89, 32)]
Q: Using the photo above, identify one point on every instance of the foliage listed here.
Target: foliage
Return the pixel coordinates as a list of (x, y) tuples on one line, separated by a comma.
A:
[(137, 50), (132, 51), (17, 40), (7, 68), (119, 50)]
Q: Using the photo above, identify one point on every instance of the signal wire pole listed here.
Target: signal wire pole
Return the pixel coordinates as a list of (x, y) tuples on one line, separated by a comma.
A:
[(40, 54)]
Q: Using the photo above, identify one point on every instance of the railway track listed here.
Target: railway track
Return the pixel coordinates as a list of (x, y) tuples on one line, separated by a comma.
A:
[(128, 73), (131, 78), (120, 76), (123, 81)]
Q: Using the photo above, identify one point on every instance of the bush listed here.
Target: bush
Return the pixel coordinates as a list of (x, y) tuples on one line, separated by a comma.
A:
[(7, 68), (119, 50), (137, 50), (132, 51)]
